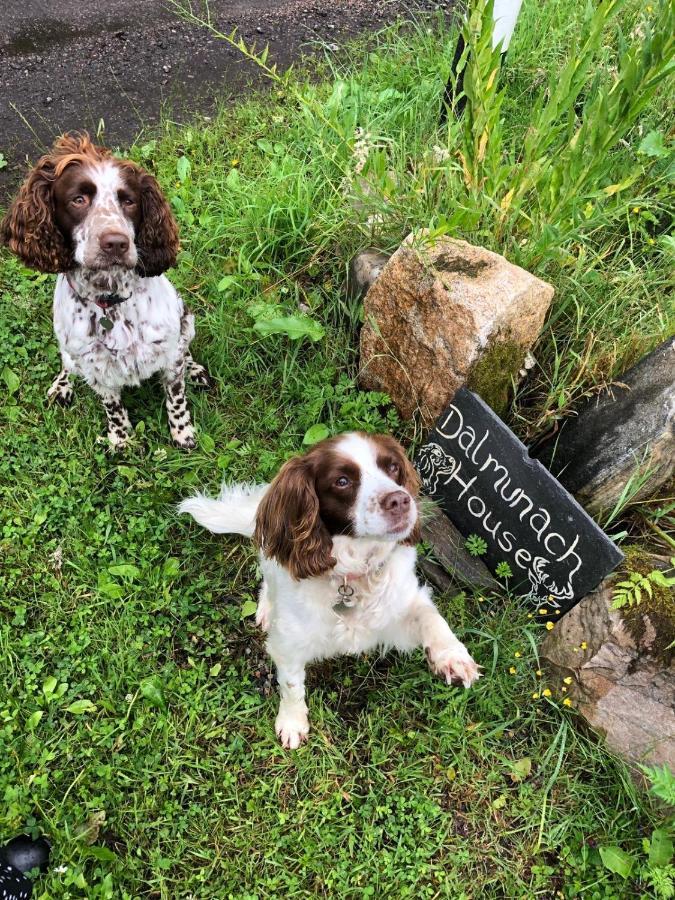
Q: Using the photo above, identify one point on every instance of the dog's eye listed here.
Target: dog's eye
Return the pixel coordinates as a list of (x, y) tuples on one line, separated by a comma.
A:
[(127, 201), (80, 200), (342, 481), (393, 468)]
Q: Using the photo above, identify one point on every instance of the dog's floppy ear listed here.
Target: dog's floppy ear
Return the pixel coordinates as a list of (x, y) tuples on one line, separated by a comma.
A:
[(157, 237), (288, 524), (29, 228)]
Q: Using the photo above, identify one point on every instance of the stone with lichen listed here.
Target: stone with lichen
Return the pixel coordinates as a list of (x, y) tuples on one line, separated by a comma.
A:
[(443, 313), (621, 666)]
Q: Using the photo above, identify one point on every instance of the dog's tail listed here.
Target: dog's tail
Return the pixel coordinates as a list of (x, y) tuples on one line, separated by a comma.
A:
[(232, 512)]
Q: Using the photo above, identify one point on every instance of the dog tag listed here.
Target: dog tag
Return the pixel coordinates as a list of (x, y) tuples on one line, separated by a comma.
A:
[(106, 324)]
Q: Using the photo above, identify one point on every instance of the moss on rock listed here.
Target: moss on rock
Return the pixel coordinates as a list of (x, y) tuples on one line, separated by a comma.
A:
[(651, 623), (493, 375)]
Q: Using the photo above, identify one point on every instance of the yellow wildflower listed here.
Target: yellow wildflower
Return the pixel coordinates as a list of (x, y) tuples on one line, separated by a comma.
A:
[(538, 673), (542, 612), (567, 680), (517, 654), (234, 163), (564, 690), (567, 702), (550, 626), (636, 209), (546, 692), (535, 696), (584, 645), (512, 670)]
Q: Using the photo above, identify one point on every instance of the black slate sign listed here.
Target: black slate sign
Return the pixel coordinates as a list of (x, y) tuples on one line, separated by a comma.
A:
[(486, 483)]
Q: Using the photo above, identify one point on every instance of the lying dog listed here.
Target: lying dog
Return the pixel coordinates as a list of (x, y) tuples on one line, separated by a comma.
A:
[(104, 225), (336, 531)]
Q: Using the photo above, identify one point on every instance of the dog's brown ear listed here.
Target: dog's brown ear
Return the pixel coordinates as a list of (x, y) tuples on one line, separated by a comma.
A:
[(157, 238), (288, 524), (29, 228)]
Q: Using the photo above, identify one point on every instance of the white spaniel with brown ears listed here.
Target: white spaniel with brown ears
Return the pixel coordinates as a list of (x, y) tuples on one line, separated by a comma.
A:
[(336, 531)]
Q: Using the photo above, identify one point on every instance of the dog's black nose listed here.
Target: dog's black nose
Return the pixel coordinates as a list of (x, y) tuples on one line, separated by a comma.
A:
[(396, 503), (114, 243)]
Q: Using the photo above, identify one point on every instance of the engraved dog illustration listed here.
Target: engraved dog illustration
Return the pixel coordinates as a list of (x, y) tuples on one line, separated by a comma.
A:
[(552, 583), (432, 464)]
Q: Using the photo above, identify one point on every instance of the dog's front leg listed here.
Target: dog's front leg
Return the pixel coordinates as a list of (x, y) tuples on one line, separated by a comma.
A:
[(292, 723), (61, 391), (447, 656), (180, 424), (119, 426)]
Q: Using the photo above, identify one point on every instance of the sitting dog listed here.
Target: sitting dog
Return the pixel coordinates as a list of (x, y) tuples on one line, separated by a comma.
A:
[(336, 531), (104, 225)]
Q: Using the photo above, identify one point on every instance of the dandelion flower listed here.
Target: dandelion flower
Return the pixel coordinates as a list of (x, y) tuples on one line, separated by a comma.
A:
[(546, 692), (512, 670), (234, 163), (567, 702)]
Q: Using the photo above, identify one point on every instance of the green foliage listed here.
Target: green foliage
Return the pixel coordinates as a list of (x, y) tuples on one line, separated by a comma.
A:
[(503, 570), (662, 783), (630, 592), (475, 545), (135, 683)]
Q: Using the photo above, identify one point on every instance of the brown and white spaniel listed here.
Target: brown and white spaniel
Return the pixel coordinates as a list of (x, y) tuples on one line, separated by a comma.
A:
[(336, 530), (103, 224)]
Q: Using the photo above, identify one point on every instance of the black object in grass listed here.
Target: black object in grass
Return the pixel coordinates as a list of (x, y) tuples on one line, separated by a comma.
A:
[(21, 855)]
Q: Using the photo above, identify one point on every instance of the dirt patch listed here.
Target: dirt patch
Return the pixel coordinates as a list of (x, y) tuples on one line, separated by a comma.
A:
[(113, 68)]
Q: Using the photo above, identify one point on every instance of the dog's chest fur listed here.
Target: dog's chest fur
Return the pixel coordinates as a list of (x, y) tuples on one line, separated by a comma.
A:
[(150, 331), (311, 612)]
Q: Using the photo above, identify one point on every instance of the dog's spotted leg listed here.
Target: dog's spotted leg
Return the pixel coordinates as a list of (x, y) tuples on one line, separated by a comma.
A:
[(119, 426), (197, 374), (61, 391), (180, 425)]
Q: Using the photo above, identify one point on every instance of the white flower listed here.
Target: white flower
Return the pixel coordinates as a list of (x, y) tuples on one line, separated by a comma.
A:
[(439, 154)]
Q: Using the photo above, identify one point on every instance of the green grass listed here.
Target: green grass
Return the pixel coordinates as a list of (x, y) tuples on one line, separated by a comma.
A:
[(170, 784)]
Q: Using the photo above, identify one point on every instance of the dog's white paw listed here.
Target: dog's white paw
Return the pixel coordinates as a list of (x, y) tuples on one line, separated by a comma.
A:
[(454, 663), (292, 728)]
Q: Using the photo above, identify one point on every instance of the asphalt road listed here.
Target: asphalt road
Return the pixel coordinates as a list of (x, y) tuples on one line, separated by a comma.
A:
[(116, 64)]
